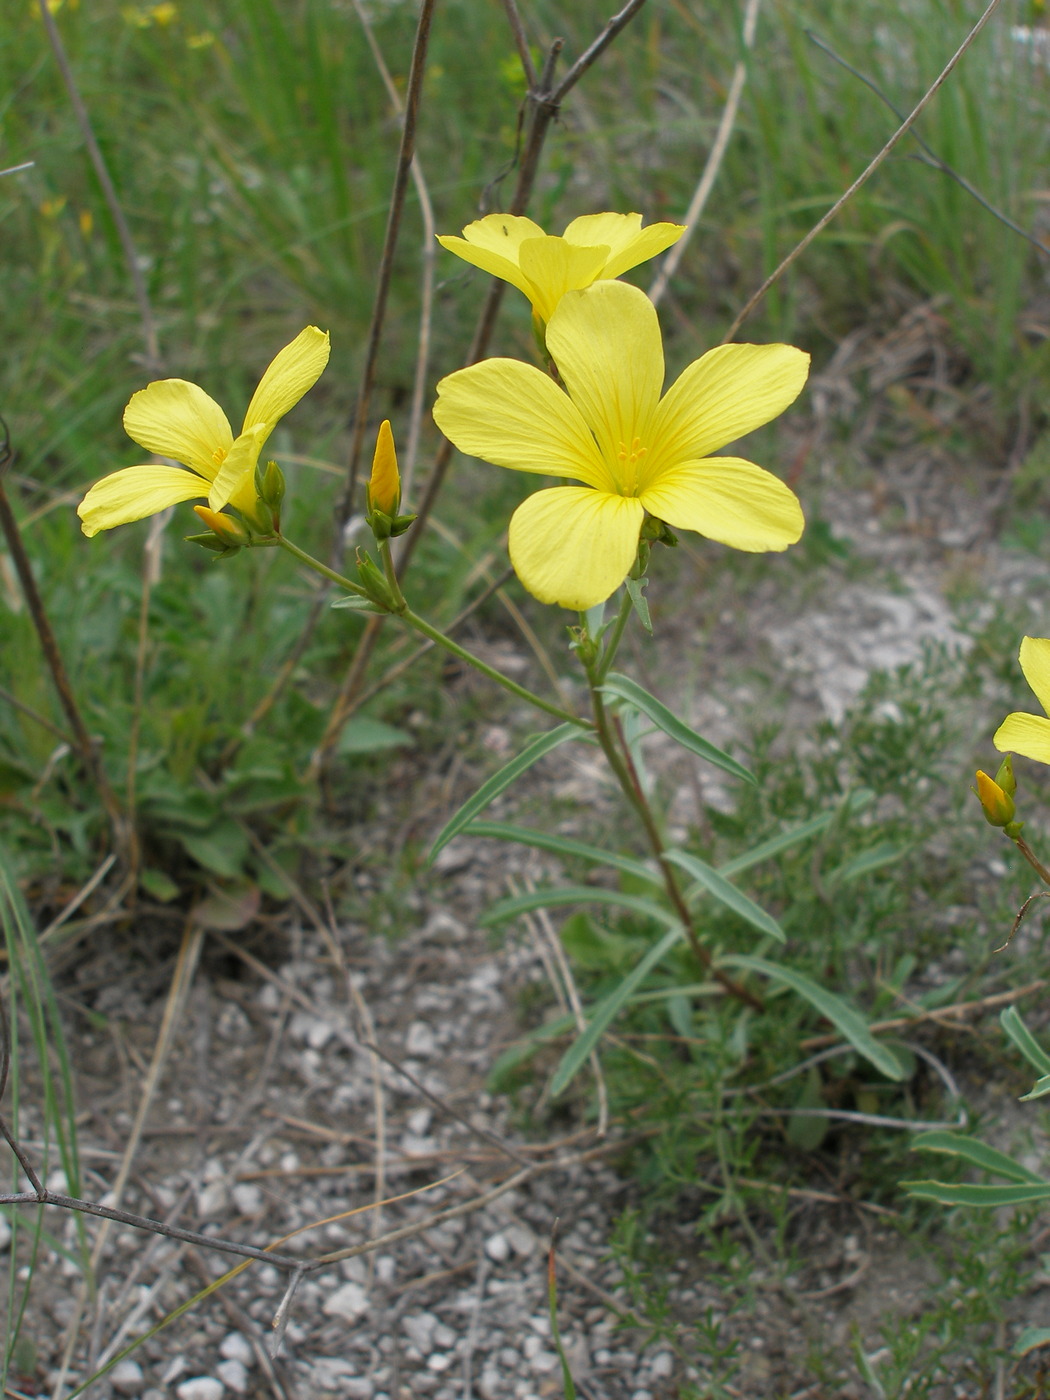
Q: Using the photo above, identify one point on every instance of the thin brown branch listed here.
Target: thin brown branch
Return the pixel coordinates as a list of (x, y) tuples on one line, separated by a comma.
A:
[(521, 42), (402, 173), (865, 175), (594, 50)]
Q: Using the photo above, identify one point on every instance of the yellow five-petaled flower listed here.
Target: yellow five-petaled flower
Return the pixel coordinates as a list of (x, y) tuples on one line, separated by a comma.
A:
[(634, 451), (593, 247), (176, 419), (1022, 733)]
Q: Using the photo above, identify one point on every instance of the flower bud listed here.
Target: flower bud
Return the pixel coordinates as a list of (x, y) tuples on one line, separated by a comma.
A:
[(1005, 776), (384, 486), (270, 485), (230, 531), (996, 803)]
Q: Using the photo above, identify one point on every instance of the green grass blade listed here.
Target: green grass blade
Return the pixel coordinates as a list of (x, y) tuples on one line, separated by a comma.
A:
[(978, 1154), (856, 802), (624, 688), (845, 1018), (866, 863), (1030, 1339), (564, 846), (1039, 1090), (533, 751), (606, 1011), (576, 894), (986, 1197), (1022, 1037), (715, 883)]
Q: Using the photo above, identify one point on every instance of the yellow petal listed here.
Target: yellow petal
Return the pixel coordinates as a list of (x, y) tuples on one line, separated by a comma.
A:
[(511, 414), (235, 483), (729, 500), (1035, 663), (177, 419), (492, 244), (728, 392), (629, 244), (384, 485), (552, 267), (1028, 735), (293, 371), (607, 346), (573, 546), (135, 492)]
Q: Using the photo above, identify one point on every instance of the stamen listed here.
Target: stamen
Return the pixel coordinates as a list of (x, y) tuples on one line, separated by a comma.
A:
[(219, 456)]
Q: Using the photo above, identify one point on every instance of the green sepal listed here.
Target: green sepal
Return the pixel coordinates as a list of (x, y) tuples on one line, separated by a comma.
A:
[(352, 602), (212, 542), (373, 581), (638, 601)]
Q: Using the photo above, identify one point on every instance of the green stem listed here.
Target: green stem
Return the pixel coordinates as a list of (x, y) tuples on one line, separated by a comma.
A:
[(620, 761), (391, 574), (420, 625), (615, 637)]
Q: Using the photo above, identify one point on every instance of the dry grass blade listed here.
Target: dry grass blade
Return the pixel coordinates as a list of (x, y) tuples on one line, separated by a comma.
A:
[(865, 175)]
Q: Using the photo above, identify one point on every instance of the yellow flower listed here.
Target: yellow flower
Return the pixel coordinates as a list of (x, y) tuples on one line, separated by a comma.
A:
[(174, 418), (1030, 734), (594, 247), (384, 486), (634, 451)]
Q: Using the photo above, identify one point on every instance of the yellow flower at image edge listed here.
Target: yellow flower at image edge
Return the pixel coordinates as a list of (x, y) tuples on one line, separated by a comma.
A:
[(634, 450), (176, 419), (596, 246), (1029, 735)]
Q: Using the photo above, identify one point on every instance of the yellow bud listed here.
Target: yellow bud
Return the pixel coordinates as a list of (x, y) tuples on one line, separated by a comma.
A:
[(997, 805), (384, 486), (230, 531)]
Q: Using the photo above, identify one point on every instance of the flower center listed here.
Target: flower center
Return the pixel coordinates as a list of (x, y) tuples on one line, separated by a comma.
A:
[(219, 456), (629, 458)]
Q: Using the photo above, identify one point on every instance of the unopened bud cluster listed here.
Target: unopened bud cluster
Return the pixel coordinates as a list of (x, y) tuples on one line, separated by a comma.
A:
[(260, 524)]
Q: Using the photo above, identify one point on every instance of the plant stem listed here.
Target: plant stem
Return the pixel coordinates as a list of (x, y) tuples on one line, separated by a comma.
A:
[(419, 624), (620, 761), (615, 637), (391, 573), (1032, 859)]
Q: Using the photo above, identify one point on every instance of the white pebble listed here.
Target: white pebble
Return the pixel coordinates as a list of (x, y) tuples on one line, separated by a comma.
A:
[(234, 1374), (201, 1388), (235, 1346), (497, 1248), (349, 1302), (662, 1364), (5, 1234), (420, 1040), (247, 1197), (126, 1376)]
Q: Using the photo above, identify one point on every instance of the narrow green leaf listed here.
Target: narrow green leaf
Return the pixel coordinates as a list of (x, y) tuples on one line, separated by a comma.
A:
[(866, 863), (522, 1050), (499, 782), (576, 894), (564, 846), (845, 1018), (606, 1011), (639, 602), (1022, 1037), (624, 688), (1030, 1339), (716, 884), (365, 735), (986, 1197), (978, 1154), (856, 802), (1039, 1090)]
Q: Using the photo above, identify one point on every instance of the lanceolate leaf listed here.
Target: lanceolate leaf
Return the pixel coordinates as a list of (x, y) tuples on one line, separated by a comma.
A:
[(530, 754), (716, 884), (564, 846), (1022, 1037), (606, 1011), (985, 1196), (624, 688), (854, 803), (576, 894), (846, 1020), (978, 1154)]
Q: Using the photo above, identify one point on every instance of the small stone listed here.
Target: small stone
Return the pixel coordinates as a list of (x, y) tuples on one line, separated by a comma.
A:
[(126, 1377), (233, 1373), (662, 1365), (419, 1328), (439, 1361), (497, 1248), (247, 1197), (212, 1200), (420, 1040), (235, 1346), (5, 1234), (173, 1370), (521, 1239), (201, 1388), (349, 1302)]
